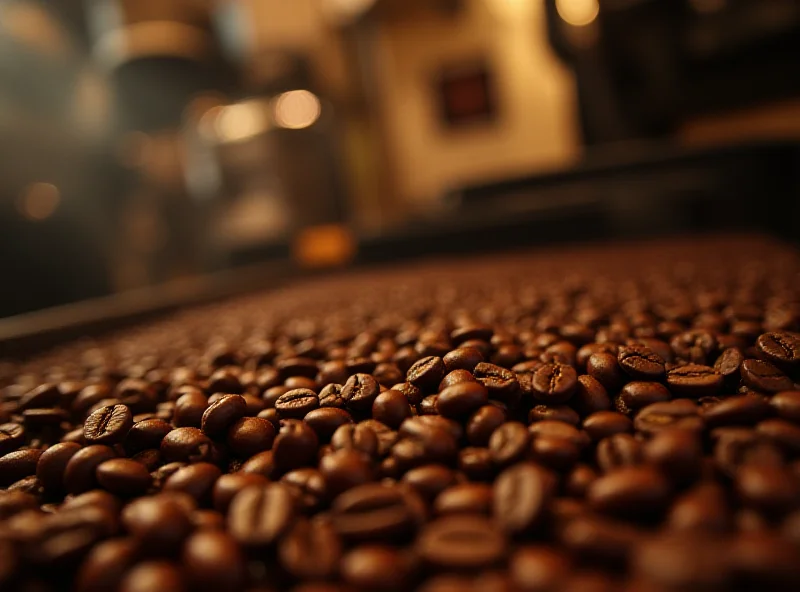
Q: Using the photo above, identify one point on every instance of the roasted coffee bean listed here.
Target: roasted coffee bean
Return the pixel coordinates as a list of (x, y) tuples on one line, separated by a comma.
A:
[(769, 489), (483, 423), (462, 399), (603, 424), (345, 469), (780, 348), (605, 369), (501, 383), (729, 362), (189, 408), (781, 432), (461, 543), (427, 373), (677, 453), (296, 403), (412, 393), (785, 404), (356, 437), (694, 380), (539, 568), (186, 445), (590, 396), (106, 565), (694, 346), (736, 447), (562, 430), (197, 480), (738, 410), (763, 559), (637, 492), (153, 575), (375, 512), (703, 508), (476, 463), (79, 473), (579, 479), (309, 487), (146, 434), (377, 567), (585, 352), (521, 497), (554, 383), (250, 435), (12, 436), (160, 523), (509, 443), (763, 377), (14, 502), (17, 465), (298, 382), (223, 413), (618, 450), (554, 452), (326, 420), (683, 561), (123, 477), (640, 362), (360, 392), (430, 480), (456, 377), (258, 516), (52, 463), (391, 407), (462, 358), (295, 445), (464, 498), (311, 550), (681, 413), (212, 560), (108, 425), (227, 486)]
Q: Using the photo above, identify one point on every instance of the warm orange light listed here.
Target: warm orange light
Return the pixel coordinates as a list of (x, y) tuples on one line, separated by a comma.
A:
[(241, 121), (324, 246), (39, 201), (578, 13), (297, 109)]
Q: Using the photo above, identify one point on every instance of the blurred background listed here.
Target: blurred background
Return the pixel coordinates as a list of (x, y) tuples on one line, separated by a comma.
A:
[(149, 142)]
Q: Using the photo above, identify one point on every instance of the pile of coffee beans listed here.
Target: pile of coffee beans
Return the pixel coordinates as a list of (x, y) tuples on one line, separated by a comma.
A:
[(596, 419)]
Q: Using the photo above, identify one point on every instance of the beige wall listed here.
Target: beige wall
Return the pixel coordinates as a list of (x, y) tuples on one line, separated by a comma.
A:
[(536, 128)]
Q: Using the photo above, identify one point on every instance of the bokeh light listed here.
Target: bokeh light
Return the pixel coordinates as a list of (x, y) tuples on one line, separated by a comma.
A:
[(578, 13), (297, 109), (39, 201)]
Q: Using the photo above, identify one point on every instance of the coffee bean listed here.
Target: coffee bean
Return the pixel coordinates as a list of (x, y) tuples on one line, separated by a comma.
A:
[(461, 399), (106, 565), (52, 463), (12, 436), (703, 508), (189, 409), (618, 450), (159, 523), (539, 568), (694, 346), (186, 445), (501, 383), (311, 550), (769, 489), (79, 473), (153, 575), (14, 502), (223, 413), (782, 433), (682, 561), (780, 348), (250, 435), (462, 358), (427, 373), (227, 486), (356, 437), (455, 377), (603, 424), (554, 383), (296, 403), (694, 380), (737, 410), (309, 487), (476, 463), (590, 396), (377, 567), (412, 393), (739, 446), (108, 425), (786, 405), (509, 443), (360, 392), (763, 559), (258, 516), (681, 413), (123, 477), (483, 423), (639, 492), (345, 469), (606, 370), (521, 497), (640, 362), (677, 453), (763, 377), (374, 512), (579, 479), (146, 434), (461, 542), (197, 480), (212, 560), (430, 480), (326, 420), (295, 445), (391, 407), (728, 363), (562, 430), (464, 498)]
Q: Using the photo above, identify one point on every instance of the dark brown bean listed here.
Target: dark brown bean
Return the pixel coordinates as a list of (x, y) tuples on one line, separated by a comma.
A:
[(590, 396), (605, 369), (108, 425), (554, 383), (259, 516), (189, 409), (153, 575), (391, 407), (787, 405), (196, 480), (640, 362), (160, 523), (430, 480), (124, 477), (681, 413), (464, 498), (311, 550), (603, 424), (703, 508), (461, 542), (186, 445), (763, 377), (501, 383), (640, 492), (250, 435), (345, 469), (694, 380), (295, 445), (618, 450), (296, 403), (213, 561), (521, 497), (374, 512), (223, 413), (52, 464), (106, 565), (539, 568), (460, 400), (79, 473), (12, 436), (227, 486), (509, 443), (677, 453), (780, 348), (377, 567), (769, 489)]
